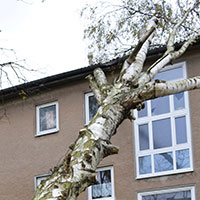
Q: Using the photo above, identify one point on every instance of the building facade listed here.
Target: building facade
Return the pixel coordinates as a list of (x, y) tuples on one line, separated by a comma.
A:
[(159, 151)]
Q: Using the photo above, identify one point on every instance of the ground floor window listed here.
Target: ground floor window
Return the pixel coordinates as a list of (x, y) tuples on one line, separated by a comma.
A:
[(185, 193), (103, 189)]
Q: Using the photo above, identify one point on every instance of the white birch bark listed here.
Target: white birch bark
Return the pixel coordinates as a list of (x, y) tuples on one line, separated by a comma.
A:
[(115, 101), (173, 87), (134, 64)]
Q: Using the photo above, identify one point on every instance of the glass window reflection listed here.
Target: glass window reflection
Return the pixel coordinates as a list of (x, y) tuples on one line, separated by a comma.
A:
[(48, 118), (93, 106), (144, 137), (145, 164), (182, 195), (163, 162), (171, 74), (160, 105), (181, 132), (103, 187), (179, 101), (162, 133), (182, 159)]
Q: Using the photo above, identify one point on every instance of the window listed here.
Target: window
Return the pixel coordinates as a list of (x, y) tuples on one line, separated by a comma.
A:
[(104, 187), (90, 107), (39, 179), (186, 193), (47, 118), (162, 131)]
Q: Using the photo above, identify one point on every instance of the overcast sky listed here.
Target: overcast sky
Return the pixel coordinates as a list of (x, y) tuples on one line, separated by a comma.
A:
[(49, 35)]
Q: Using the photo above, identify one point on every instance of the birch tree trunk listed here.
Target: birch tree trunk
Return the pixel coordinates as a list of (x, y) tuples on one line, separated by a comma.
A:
[(132, 87)]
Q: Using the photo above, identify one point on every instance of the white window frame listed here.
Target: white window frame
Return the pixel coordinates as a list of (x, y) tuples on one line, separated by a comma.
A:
[(39, 178), (191, 188), (172, 115), (112, 184), (49, 131), (87, 95)]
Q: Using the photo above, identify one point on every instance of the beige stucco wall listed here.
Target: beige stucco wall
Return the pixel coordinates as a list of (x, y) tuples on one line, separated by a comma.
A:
[(23, 156)]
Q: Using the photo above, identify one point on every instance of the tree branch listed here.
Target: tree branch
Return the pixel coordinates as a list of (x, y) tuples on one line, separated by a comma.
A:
[(170, 43), (173, 87), (164, 60), (184, 47), (148, 32), (102, 82), (95, 89), (134, 64), (154, 90), (100, 78)]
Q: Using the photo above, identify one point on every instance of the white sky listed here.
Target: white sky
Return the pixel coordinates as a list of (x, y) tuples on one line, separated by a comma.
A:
[(49, 35)]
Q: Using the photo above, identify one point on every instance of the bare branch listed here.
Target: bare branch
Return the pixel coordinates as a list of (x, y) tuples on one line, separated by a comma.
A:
[(184, 47), (7, 77), (16, 71), (171, 40)]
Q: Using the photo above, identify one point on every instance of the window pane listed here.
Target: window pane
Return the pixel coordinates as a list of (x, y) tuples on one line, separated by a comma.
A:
[(143, 112), (92, 106), (162, 133), (182, 195), (179, 102), (144, 137), (47, 117), (103, 187), (160, 105), (181, 133), (170, 75), (182, 159), (163, 162), (145, 164)]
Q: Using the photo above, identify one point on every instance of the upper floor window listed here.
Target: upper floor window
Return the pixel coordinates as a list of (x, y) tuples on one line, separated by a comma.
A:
[(104, 187), (47, 118), (185, 193), (90, 107), (162, 131)]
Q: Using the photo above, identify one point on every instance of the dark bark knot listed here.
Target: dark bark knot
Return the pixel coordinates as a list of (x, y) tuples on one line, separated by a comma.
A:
[(88, 158)]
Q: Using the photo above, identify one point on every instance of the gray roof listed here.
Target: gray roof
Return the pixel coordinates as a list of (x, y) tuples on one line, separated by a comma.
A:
[(36, 86)]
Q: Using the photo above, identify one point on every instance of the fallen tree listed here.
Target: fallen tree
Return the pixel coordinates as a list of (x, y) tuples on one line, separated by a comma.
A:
[(115, 102)]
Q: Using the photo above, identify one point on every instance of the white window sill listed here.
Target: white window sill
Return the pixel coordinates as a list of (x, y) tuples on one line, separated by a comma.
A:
[(166, 173), (47, 132)]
